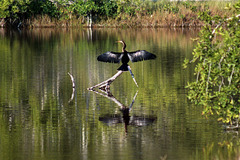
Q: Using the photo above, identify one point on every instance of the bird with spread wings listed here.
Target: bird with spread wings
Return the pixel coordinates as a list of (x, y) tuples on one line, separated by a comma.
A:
[(125, 57)]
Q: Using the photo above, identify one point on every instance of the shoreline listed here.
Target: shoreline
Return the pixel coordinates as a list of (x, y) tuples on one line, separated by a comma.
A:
[(119, 15), (121, 24)]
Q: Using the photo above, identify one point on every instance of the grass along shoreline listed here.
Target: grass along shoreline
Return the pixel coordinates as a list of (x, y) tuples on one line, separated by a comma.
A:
[(127, 14)]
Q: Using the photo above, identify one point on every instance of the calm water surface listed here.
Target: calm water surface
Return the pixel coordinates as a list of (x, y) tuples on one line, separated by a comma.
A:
[(38, 119)]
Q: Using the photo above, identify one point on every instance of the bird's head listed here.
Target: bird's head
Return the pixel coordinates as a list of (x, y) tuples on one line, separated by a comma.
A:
[(123, 43), (120, 41)]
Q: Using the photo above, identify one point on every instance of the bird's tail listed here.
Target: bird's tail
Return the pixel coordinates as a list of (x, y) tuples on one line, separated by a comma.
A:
[(123, 67)]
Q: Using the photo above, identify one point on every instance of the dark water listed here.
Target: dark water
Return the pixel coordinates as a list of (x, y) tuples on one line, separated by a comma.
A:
[(38, 120)]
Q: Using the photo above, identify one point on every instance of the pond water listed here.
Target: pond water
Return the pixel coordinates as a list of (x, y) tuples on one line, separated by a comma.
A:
[(39, 120)]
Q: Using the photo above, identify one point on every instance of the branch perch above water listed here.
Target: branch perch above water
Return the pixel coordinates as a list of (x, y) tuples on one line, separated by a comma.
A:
[(105, 85)]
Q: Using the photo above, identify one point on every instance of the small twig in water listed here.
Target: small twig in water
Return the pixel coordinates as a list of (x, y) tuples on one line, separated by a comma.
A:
[(73, 87)]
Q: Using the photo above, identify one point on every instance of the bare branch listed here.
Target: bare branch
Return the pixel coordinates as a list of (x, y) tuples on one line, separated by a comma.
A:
[(105, 84), (230, 78), (209, 71), (220, 86), (219, 24), (219, 64), (197, 76)]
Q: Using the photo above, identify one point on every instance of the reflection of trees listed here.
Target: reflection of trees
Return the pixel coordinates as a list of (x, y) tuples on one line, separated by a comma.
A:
[(36, 118), (35, 90)]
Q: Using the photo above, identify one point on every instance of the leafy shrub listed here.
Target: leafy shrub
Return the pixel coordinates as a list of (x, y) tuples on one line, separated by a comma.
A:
[(217, 57)]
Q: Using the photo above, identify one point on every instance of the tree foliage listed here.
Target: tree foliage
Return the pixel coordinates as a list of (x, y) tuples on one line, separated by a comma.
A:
[(217, 70), (10, 8), (21, 10)]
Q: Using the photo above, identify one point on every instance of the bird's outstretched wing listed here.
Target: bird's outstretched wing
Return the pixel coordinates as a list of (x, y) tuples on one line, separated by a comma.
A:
[(140, 55), (111, 57)]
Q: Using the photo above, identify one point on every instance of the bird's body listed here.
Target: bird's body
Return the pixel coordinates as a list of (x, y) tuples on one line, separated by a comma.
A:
[(125, 57)]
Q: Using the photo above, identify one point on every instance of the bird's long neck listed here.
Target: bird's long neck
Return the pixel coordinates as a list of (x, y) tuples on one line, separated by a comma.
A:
[(124, 47)]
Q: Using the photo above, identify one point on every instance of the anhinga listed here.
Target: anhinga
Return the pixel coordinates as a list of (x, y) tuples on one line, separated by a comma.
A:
[(125, 56)]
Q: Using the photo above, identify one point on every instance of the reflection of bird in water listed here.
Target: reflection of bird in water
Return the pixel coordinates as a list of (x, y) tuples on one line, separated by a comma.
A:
[(125, 56), (111, 119)]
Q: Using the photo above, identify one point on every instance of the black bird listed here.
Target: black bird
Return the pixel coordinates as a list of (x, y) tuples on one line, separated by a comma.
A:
[(125, 56)]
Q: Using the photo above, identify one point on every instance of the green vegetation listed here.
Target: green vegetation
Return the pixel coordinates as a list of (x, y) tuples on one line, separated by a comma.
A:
[(104, 13), (217, 57)]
